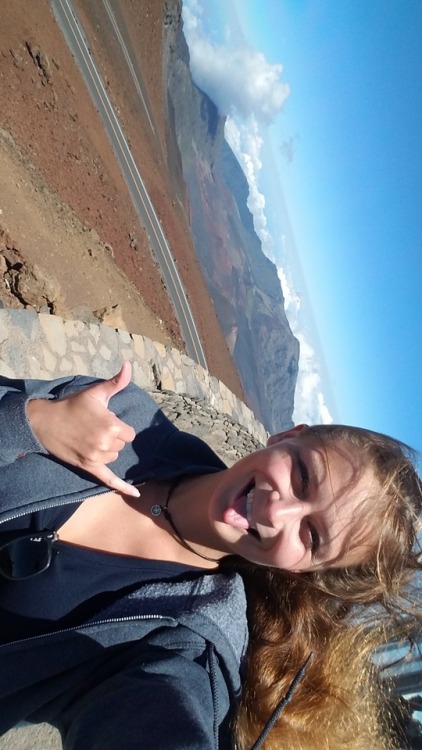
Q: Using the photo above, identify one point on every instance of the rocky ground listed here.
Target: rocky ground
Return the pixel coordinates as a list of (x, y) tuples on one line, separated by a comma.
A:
[(70, 241)]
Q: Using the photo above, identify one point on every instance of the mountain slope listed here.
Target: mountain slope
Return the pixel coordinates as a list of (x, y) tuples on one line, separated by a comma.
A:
[(242, 281)]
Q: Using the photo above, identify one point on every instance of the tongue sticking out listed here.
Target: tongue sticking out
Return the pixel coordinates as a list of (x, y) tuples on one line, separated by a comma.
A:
[(236, 515)]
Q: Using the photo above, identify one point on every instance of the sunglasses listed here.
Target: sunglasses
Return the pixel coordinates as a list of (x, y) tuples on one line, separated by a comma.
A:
[(26, 555)]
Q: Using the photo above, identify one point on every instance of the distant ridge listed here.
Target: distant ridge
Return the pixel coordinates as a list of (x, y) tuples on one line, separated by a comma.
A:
[(242, 281)]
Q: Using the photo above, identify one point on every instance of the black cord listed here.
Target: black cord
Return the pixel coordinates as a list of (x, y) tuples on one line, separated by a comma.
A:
[(283, 703)]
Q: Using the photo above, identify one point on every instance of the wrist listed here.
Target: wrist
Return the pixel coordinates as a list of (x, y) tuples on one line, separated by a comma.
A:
[(36, 414)]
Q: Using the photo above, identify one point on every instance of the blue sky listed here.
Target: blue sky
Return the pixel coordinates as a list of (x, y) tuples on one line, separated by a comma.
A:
[(324, 100)]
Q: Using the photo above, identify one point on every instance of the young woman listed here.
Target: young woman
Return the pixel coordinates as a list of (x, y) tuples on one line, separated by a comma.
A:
[(123, 619)]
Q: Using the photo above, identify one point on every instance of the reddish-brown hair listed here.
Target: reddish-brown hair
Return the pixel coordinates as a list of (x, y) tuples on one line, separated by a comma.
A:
[(338, 704)]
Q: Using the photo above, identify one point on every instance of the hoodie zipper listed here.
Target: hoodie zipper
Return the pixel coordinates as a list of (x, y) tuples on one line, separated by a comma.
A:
[(53, 503), (50, 504), (76, 628)]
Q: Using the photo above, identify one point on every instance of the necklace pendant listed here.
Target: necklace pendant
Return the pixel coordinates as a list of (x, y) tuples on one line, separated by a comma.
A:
[(156, 510)]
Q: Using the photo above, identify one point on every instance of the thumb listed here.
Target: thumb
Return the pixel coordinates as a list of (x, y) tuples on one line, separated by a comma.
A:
[(108, 388)]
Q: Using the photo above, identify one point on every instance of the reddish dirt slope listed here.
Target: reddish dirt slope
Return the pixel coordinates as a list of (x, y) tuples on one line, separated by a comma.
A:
[(70, 240)]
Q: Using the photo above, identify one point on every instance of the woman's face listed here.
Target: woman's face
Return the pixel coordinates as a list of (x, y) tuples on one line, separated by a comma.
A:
[(296, 505)]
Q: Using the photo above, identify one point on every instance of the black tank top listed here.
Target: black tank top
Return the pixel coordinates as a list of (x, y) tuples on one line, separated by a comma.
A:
[(78, 584)]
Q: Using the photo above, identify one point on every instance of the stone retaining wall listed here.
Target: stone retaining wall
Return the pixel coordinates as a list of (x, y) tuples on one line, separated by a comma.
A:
[(45, 346)]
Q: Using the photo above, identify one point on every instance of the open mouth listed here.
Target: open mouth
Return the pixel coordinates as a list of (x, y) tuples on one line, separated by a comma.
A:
[(240, 512), (249, 500)]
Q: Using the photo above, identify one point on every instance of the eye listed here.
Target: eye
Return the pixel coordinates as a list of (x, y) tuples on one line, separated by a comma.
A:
[(314, 539), (304, 476)]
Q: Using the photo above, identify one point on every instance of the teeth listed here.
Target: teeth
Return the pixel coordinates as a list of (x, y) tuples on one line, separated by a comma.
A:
[(249, 500)]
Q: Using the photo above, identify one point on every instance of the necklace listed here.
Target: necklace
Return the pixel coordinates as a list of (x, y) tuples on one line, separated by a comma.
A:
[(157, 510)]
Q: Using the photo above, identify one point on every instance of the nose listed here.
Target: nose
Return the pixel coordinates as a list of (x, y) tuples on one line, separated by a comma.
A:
[(285, 512)]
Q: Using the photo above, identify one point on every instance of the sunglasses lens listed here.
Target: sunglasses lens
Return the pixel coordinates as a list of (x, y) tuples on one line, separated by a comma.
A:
[(23, 558)]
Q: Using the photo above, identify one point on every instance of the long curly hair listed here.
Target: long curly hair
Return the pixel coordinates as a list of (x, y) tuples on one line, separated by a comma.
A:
[(340, 615)]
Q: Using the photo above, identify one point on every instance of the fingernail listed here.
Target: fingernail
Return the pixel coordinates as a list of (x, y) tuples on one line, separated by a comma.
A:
[(134, 492)]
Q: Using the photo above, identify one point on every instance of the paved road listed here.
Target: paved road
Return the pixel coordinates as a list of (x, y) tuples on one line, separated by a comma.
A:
[(129, 63), (79, 46)]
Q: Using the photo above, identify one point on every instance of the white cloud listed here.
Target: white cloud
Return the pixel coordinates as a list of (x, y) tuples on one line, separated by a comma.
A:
[(237, 77), (246, 141), (310, 405), (292, 301), (248, 89)]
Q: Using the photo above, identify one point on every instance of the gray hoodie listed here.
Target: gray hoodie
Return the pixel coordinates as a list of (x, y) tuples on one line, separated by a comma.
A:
[(159, 668)]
